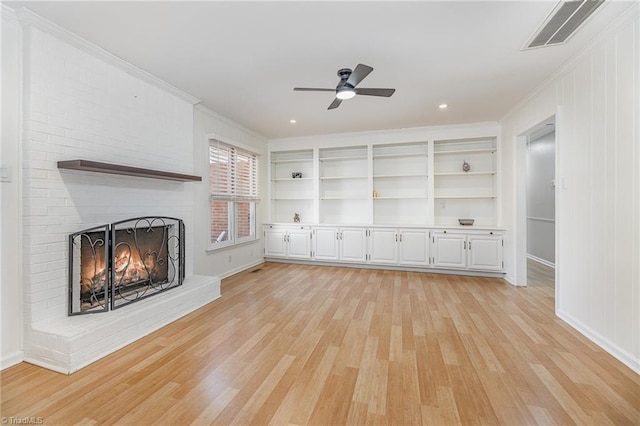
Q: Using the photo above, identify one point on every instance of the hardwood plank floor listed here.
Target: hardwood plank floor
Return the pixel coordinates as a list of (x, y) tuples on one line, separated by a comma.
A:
[(539, 274), (297, 344)]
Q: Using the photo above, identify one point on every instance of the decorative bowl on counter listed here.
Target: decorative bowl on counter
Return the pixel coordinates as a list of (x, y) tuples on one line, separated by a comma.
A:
[(466, 222)]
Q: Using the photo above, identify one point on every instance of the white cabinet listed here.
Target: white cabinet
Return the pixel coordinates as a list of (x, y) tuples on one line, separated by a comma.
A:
[(454, 249), (327, 243), (485, 251), (383, 245), (353, 244), (478, 251), (287, 242), (414, 247), (449, 250), (275, 242), (340, 244), (399, 246)]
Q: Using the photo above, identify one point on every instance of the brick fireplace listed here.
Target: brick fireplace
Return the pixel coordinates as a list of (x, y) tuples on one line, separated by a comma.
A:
[(80, 104)]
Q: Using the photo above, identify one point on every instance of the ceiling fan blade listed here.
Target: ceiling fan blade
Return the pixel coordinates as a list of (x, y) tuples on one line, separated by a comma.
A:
[(335, 104), (359, 74), (312, 89), (375, 92)]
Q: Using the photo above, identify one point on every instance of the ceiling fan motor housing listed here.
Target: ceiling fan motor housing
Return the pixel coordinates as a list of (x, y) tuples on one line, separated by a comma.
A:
[(344, 73)]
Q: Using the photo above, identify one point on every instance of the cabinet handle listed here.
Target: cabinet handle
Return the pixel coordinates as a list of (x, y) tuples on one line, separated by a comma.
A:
[(341, 235), (396, 238), (465, 245), (400, 237), (469, 245), (445, 232), (337, 235)]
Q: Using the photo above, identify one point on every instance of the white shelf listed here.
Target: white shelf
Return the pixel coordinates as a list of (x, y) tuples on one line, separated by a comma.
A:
[(342, 198), (293, 198), (342, 177), (466, 151), (363, 157), (465, 173), (463, 197), (400, 176), (400, 198), (289, 179), (414, 154), (300, 160)]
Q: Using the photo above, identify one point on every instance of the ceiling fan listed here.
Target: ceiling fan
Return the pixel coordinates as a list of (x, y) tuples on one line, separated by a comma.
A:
[(346, 88)]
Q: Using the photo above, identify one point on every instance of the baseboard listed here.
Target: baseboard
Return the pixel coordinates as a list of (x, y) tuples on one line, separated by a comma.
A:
[(540, 260), (242, 268), (487, 274), (620, 354), (511, 280), (12, 359)]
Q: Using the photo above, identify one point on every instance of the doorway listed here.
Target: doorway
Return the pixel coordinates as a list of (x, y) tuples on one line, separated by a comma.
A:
[(536, 206), (541, 223)]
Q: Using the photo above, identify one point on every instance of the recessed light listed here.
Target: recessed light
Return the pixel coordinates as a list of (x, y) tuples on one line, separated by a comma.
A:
[(443, 106), (292, 121)]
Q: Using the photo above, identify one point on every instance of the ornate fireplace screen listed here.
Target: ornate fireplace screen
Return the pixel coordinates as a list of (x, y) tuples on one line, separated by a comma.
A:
[(114, 265)]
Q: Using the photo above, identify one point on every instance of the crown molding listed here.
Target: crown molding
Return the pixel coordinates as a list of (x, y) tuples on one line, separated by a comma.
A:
[(7, 12), (230, 122), (28, 18)]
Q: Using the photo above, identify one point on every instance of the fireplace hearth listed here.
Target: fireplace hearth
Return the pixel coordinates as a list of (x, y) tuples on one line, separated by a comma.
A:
[(113, 265)]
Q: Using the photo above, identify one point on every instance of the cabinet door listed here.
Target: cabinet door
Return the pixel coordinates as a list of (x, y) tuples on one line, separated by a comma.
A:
[(383, 245), (485, 252), (449, 250), (275, 244), (353, 244), (326, 243), (299, 241), (414, 247)]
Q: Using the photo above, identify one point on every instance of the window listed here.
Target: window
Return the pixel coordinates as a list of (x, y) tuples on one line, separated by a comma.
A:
[(233, 193)]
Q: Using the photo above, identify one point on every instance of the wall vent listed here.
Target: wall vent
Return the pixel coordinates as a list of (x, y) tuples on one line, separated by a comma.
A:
[(563, 22)]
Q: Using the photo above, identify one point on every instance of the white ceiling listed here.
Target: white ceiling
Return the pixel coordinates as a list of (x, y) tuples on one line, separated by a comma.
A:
[(242, 59)]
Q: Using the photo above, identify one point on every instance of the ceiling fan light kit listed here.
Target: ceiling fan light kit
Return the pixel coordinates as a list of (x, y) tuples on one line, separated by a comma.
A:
[(345, 93), (346, 88)]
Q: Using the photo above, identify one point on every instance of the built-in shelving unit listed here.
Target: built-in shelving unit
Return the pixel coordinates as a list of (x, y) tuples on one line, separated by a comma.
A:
[(400, 183), (419, 183), (465, 181), (292, 195), (343, 176)]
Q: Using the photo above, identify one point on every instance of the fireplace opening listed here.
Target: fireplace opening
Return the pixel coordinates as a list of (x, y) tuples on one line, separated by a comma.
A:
[(118, 264)]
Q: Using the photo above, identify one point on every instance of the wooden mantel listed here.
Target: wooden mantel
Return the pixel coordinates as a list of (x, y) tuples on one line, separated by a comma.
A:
[(117, 169)]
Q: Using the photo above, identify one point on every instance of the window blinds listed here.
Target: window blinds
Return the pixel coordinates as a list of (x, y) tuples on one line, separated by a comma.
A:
[(233, 173)]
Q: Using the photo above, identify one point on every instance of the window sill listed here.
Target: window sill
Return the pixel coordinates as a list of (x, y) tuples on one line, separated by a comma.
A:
[(217, 248)]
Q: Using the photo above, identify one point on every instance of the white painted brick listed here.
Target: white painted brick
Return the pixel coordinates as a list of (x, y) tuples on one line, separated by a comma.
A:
[(81, 107)]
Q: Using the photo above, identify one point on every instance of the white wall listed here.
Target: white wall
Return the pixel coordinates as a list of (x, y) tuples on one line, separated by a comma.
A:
[(10, 222), (597, 100), (541, 197), (227, 260)]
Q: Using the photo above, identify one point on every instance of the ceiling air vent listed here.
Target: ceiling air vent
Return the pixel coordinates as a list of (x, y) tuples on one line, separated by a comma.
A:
[(563, 21)]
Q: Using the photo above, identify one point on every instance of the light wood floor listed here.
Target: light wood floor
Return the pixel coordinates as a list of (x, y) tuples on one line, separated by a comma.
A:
[(292, 344), (540, 275)]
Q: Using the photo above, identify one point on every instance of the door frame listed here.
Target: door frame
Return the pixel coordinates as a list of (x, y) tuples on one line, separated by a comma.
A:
[(521, 201)]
